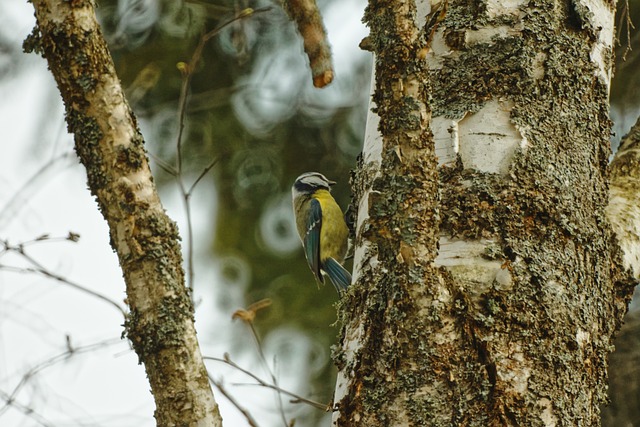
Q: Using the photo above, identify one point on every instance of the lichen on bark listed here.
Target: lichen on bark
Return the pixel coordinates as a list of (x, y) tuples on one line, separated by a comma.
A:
[(110, 146), (516, 330)]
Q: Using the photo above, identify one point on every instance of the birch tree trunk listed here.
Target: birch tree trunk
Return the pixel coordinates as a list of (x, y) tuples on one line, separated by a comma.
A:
[(510, 324), (109, 144)]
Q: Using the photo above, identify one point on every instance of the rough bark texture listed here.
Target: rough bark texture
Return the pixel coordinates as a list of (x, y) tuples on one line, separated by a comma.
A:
[(109, 144), (389, 311), (623, 212), (542, 328), (515, 327), (624, 204), (308, 20)]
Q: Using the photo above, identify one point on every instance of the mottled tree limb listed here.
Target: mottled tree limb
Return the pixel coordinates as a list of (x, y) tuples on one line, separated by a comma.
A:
[(307, 17), (515, 326), (623, 210), (386, 328), (110, 146)]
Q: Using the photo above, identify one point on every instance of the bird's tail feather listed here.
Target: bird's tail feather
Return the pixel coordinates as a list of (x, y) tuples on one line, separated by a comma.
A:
[(339, 276)]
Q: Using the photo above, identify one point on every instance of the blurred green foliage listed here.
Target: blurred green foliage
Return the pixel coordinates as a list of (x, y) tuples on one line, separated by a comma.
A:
[(254, 168)]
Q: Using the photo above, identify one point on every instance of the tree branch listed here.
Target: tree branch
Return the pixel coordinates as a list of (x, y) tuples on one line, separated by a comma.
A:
[(308, 20), (109, 144), (623, 210)]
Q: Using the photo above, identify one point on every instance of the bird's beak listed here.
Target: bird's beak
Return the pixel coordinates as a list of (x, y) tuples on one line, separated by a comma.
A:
[(331, 182)]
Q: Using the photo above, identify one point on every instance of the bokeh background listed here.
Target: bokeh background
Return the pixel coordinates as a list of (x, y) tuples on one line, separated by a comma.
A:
[(253, 110)]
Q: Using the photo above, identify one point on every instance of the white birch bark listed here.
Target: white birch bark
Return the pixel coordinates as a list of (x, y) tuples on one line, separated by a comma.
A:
[(160, 323), (531, 286)]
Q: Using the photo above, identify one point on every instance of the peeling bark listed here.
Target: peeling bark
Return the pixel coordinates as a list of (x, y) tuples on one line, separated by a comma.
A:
[(512, 322), (624, 204), (110, 146), (385, 313), (308, 20)]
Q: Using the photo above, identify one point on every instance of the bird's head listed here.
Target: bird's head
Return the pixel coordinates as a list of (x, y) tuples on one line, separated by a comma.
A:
[(310, 182)]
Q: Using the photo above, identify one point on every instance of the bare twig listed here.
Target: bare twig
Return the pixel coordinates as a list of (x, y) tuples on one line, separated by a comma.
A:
[(297, 398), (628, 25), (165, 166), (247, 316), (252, 422), (274, 379), (187, 211), (27, 410), (11, 209), (186, 196), (70, 237), (202, 174), (187, 73), (189, 68), (10, 398), (38, 268)]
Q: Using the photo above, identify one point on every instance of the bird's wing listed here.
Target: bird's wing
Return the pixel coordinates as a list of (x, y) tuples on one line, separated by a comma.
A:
[(312, 238)]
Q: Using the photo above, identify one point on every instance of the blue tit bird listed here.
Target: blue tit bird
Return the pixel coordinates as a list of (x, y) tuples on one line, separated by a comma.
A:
[(321, 227)]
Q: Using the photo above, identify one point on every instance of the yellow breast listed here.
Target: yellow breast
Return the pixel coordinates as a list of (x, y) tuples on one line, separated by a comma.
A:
[(334, 232)]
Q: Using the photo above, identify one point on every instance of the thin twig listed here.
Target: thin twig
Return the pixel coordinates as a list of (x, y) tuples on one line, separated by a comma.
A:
[(187, 210), (188, 70), (164, 165), (10, 398), (42, 270), (628, 25), (202, 174), (296, 398), (28, 411), (263, 359), (247, 316), (191, 66), (262, 383), (11, 210), (252, 422), (71, 237), (186, 196)]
